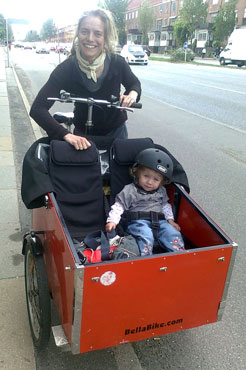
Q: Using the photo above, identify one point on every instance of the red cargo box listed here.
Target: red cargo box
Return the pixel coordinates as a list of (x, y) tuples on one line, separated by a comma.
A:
[(114, 302)]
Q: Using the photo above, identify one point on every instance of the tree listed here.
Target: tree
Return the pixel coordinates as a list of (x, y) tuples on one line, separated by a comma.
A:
[(118, 9), (48, 30), (145, 18), (32, 36), (193, 14), (181, 31), (3, 29), (224, 22)]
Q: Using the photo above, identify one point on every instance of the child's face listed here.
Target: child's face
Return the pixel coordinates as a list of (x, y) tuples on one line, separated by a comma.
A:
[(149, 179)]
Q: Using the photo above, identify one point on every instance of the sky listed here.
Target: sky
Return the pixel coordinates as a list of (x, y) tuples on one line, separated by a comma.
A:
[(62, 12)]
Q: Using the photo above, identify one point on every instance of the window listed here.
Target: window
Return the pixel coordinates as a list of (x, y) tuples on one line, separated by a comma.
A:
[(163, 36), (213, 16), (174, 7), (159, 24), (202, 36), (214, 2), (166, 8), (160, 9), (165, 22)]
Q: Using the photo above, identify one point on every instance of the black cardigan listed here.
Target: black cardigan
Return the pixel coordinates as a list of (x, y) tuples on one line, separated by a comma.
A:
[(66, 76)]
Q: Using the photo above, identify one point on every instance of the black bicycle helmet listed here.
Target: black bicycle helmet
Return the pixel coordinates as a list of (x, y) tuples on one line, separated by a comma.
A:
[(156, 160)]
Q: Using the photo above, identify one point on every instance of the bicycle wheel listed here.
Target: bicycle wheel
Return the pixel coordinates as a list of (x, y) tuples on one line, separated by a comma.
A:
[(37, 298)]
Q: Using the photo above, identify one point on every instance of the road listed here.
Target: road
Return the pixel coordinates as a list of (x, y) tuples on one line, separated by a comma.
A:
[(198, 113)]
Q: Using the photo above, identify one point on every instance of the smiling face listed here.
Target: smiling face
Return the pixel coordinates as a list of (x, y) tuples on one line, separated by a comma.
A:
[(149, 179), (91, 38)]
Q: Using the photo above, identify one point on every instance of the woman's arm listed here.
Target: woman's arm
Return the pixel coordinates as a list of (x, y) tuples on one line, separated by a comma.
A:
[(41, 105)]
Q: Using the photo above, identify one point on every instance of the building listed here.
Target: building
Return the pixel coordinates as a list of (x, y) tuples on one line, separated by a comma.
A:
[(165, 13)]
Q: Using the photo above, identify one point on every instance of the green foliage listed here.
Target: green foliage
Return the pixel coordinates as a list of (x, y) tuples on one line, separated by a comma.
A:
[(225, 21), (32, 36), (48, 30), (181, 31), (118, 9), (193, 14), (145, 18), (3, 30), (178, 55), (194, 44)]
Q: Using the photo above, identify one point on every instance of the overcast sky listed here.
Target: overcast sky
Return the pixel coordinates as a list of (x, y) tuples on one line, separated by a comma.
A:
[(62, 12)]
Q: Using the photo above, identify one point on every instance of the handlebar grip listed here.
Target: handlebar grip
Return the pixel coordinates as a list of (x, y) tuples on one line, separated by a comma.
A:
[(136, 105)]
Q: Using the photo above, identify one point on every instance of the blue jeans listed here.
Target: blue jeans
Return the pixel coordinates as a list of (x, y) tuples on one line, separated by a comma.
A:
[(120, 132), (168, 237)]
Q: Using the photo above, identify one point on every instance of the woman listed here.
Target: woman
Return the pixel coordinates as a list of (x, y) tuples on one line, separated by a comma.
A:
[(92, 70)]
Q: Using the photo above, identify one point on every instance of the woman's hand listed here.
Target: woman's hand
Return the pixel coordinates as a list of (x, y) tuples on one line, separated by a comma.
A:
[(109, 226), (174, 224), (128, 100), (79, 142)]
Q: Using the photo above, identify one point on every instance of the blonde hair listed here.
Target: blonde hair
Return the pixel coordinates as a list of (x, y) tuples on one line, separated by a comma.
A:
[(110, 32), (135, 171)]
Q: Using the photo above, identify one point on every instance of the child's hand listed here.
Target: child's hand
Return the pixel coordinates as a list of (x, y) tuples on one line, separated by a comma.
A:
[(174, 224), (109, 226)]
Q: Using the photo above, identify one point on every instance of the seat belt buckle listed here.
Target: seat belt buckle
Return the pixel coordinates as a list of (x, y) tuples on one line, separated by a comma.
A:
[(154, 220)]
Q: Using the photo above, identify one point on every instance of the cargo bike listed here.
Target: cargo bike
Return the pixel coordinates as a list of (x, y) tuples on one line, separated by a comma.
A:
[(113, 301)]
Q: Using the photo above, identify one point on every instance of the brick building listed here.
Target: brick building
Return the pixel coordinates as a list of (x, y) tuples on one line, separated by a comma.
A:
[(165, 13)]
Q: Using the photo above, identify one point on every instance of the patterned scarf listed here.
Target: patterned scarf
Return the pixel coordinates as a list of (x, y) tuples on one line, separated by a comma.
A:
[(90, 68)]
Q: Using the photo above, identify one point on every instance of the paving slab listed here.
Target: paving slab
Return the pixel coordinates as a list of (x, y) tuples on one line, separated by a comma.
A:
[(4, 100), (8, 206), (3, 89), (11, 258), (6, 143), (6, 158), (5, 117), (15, 339), (7, 177)]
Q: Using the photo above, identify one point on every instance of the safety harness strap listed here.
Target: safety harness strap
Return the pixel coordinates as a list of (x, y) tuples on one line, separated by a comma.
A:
[(154, 217)]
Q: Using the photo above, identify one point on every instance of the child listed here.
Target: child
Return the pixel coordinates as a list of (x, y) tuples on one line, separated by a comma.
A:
[(153, 169)]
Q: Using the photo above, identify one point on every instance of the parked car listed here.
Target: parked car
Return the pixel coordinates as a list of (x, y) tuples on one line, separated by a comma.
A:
[(134, 54), (42, 49), (27, 46), (235, 50), (147, 50), (118, 49)]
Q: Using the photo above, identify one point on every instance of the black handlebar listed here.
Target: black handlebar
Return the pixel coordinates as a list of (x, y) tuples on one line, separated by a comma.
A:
[(136, 105), (65, 97)]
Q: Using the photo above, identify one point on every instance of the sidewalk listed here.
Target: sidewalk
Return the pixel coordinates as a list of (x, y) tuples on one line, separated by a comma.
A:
[(201, 60), (16, 349)]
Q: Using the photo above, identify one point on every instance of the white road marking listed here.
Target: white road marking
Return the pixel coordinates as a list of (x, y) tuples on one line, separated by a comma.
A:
[(219, 88), (199, 115)]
